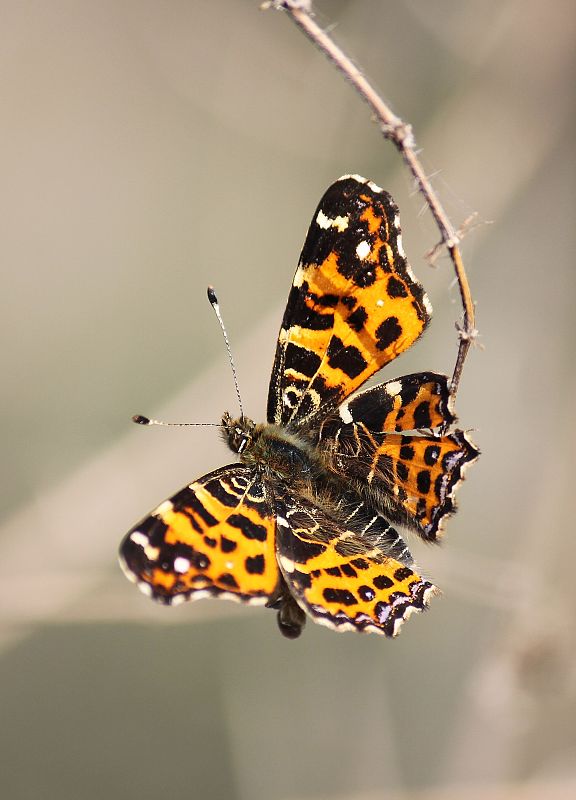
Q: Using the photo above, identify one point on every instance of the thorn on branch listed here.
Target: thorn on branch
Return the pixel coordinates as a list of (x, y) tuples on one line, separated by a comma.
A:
[(454, 241), (434, 253), (466, 334)]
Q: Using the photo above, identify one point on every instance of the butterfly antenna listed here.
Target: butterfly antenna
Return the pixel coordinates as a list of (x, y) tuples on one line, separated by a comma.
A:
[(139, 419), (214, 303)]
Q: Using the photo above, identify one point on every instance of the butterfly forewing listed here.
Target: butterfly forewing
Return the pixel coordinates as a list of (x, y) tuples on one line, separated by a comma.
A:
[(354, 304), (213, 538)]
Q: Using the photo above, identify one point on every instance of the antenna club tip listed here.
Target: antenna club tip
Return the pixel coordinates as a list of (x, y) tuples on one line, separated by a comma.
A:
[(140, 420), (212, 296)]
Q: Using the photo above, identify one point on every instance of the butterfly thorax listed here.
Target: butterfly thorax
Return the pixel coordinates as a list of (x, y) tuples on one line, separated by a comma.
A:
[(272, 448)]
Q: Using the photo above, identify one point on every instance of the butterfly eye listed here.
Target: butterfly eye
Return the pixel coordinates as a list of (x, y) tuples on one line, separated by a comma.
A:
[(239, 434)]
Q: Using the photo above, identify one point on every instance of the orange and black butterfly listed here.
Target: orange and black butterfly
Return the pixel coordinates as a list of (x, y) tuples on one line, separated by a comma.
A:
[(303, 524)]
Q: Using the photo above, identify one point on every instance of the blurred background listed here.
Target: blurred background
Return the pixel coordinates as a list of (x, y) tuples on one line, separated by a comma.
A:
[(148, 149)]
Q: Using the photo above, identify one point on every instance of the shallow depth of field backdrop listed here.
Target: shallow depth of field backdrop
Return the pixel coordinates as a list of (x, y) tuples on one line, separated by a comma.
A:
[(148, 149)]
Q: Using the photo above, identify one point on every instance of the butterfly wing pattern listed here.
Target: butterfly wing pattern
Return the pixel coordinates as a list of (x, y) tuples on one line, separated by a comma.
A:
[(373, 440), (353, 307), (304, 523), (215, 538), (343, 576)]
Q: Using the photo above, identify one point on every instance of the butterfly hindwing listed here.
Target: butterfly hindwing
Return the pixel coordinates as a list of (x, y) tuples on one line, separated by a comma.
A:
[(214, 538), (353, 307), (421, 400), (423, 474), (412, 476), (415, 476), (339, 577)]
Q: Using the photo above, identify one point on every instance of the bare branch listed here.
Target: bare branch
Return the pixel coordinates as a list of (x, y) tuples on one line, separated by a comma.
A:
[(400, 133)]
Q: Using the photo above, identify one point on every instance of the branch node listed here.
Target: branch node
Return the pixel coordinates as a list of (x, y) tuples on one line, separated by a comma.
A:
[(400, 133), (466, 334), (288, 5), (453, 241)]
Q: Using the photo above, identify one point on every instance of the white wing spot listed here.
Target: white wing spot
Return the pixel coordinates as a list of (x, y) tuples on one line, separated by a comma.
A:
[(298, 277), (345, 415), (145, 588), (379, 303), (178, 599), (287, 564), (152, 553), (357, 178), (324, 222), (363, 250), (181, 564), (399, 246), (139, 538), (163, 508), (393, 388)]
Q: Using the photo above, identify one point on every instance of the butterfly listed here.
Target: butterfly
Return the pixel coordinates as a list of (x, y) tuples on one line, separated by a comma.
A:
[(304, 522)]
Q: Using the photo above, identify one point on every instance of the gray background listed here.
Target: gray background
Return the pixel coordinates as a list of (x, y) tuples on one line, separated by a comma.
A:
[(150, 148)]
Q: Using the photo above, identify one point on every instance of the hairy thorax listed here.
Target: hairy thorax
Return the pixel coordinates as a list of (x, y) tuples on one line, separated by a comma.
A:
[(316, 472), (275, 451)]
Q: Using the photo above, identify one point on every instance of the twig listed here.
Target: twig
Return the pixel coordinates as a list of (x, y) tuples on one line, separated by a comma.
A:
[(400, 133)]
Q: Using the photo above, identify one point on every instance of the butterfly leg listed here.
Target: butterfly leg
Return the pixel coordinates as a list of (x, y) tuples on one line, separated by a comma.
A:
[(291, 618)]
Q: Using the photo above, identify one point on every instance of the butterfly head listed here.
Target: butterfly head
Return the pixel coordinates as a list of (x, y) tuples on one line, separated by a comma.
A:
[(238, 433)]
